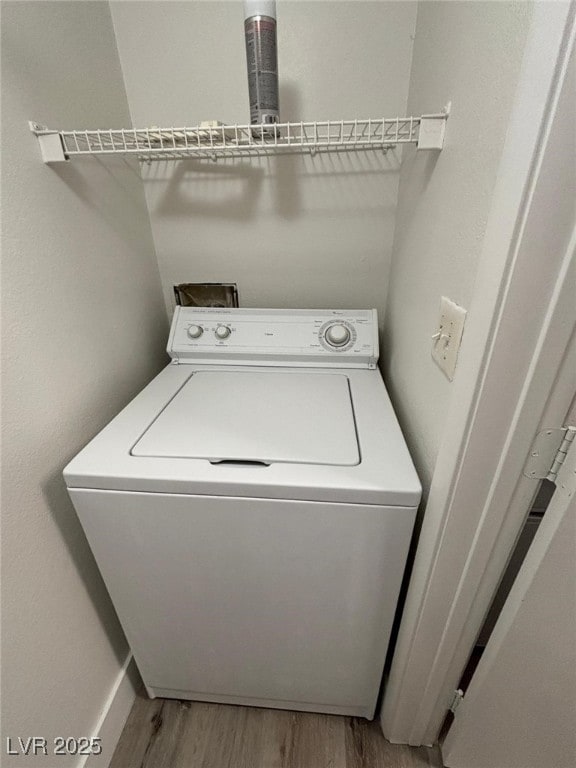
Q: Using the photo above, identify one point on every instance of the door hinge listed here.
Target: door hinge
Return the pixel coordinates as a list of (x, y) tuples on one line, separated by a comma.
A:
[(456, 699), (548, 453)]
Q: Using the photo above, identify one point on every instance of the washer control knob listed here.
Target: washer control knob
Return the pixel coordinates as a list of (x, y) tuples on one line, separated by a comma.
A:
[(195, 331), (222, 332), (337, 335)]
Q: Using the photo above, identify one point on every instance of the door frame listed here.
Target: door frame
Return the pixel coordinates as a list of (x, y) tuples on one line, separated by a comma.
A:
[(518, 330), (501, 698)]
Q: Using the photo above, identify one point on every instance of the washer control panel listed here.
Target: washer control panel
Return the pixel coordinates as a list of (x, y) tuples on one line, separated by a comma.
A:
[(322, 337)]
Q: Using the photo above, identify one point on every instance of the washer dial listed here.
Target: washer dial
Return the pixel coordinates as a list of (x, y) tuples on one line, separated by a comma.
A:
[(222, 332), (195, 331), (338, 335)]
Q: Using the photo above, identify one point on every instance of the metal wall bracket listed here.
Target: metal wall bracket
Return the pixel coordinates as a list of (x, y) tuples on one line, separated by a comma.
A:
[(50, 142), (433, 129)]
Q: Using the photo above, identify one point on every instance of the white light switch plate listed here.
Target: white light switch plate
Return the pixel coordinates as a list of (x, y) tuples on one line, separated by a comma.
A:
[(446, 340)]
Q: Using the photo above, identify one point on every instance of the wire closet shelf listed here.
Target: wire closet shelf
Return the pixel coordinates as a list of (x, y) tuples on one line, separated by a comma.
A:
[(215, 141)]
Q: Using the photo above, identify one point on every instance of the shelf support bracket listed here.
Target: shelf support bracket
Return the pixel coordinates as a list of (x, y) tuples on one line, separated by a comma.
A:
[(50, 143), (433, 129)]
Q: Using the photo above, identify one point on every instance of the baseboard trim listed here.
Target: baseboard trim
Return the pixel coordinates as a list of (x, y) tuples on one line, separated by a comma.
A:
[(113, 715)]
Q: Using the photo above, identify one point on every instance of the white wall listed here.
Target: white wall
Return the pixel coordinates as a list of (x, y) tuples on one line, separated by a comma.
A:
[(468, 53), (294, 231), (83, 329)]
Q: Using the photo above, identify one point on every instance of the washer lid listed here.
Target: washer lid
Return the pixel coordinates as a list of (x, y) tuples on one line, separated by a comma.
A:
[(267, 417)]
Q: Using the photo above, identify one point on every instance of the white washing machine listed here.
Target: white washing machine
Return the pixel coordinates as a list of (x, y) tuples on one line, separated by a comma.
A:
[(251, 511)]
